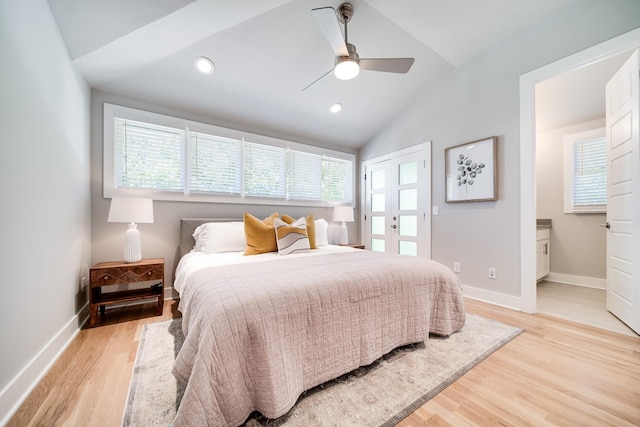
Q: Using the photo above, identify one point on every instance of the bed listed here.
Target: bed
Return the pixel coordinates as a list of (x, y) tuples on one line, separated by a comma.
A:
[(261, 329)]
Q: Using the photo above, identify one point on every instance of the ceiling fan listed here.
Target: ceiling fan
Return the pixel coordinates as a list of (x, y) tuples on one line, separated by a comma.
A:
[(348, 63)]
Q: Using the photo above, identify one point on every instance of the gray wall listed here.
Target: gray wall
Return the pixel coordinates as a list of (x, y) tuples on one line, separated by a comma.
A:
[(578, 243), (480, 99), (161, 239), (44, 188)]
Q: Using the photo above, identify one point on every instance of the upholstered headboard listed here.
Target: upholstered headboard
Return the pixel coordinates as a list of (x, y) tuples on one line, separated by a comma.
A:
[(188, 226)]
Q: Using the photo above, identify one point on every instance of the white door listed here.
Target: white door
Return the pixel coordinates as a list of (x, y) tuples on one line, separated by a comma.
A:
[(397, 200), (623, 193)]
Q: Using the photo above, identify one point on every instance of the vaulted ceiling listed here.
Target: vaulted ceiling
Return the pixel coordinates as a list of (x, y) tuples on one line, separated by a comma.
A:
[(266, 51)]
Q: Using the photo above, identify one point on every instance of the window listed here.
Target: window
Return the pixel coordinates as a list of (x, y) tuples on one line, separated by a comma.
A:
[(304, 176), (585, 172), (215, 164), (148, 156), (174, 159), (264, 171)]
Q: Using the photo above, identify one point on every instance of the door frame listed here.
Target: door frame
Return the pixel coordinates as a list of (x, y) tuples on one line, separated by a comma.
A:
[(426, 148), (616, 46)]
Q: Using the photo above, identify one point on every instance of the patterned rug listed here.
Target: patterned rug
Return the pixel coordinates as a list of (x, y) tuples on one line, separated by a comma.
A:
[(380, 394)]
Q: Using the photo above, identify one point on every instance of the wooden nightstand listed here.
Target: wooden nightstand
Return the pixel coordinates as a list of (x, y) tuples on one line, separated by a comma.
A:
[(354, 245), (119, 273)]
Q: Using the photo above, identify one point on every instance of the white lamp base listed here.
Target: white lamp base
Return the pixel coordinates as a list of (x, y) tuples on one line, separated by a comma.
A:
[(344, 234), (132, 252)]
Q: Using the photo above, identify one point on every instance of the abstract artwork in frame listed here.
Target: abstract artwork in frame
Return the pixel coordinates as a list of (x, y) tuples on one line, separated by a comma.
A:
[(470, 171)]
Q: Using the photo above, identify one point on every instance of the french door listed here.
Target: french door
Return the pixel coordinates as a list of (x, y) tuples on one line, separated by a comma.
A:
[(397, 200)]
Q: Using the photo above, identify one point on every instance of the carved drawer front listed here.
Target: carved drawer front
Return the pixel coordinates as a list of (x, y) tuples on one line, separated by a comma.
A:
[(131, 274)]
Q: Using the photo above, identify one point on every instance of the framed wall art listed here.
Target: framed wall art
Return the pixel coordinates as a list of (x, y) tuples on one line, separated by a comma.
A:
[(470, 171)]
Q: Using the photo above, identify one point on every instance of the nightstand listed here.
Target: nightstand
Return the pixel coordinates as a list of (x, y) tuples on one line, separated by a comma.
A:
[(354, 245), (120, 273)]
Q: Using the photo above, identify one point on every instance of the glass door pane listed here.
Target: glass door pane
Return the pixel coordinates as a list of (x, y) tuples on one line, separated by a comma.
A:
[(408, 173), (378, 206), (408, 199), (408, 248)]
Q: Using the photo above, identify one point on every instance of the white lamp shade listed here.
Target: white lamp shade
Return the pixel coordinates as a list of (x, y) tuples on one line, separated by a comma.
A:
[(343, 213), (131, 210)]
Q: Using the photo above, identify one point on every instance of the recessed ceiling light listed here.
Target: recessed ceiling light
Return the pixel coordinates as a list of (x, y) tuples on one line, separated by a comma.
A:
[(203, 65), (336, 108)]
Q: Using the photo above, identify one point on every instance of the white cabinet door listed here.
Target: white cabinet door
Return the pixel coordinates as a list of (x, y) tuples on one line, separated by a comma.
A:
[(543, 255)]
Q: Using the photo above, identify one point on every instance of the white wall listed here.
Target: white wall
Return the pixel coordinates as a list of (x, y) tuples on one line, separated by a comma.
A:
[(480, 99), (161, 239), (578, 243), (44, 188)]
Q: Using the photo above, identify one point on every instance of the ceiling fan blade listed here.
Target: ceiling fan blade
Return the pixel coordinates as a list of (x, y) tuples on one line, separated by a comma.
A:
[(317, 80), (328, 22), (389, 65)]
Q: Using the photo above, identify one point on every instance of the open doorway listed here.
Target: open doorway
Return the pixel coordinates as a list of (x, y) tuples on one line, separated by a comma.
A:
[(569, 107), (605, 51)]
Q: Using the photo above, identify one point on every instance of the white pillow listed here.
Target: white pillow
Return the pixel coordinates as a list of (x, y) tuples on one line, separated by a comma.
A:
[(215, 237), (321, 232), (291, 237)]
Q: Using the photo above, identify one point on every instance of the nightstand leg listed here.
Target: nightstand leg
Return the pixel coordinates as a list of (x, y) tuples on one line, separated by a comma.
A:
[(93, 314)]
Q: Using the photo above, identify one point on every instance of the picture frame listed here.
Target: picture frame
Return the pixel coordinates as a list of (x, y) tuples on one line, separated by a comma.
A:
[(471, 171)]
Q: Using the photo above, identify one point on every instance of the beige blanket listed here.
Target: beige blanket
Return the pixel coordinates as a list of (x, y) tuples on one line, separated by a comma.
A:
[(259, 335)]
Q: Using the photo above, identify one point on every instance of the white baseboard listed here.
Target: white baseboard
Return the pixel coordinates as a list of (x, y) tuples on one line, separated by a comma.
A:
[(17, 391), (570, 279), (495, 298)]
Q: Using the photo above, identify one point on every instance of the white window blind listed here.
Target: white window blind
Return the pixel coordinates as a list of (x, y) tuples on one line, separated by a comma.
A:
[(337, 179), (304, 176), (264, 171), (215, 164), (148, 156), (586, 189), (177, 159)]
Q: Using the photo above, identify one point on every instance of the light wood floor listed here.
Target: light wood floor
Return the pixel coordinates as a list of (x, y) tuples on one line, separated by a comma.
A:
[(579, 304), (556, 373)]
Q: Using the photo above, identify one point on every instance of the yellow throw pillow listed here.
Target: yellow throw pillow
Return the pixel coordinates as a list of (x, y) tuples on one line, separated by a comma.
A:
[(260, 235), (311, 228)]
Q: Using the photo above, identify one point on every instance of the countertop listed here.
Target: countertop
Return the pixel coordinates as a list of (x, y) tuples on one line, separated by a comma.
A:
[(543, 224)]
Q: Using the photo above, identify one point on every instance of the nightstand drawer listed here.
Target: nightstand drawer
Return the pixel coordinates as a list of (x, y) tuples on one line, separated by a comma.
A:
[(102, 276)]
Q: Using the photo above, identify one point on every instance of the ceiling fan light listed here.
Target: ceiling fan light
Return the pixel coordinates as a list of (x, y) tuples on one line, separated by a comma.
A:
[(346, 69), (203, 65)]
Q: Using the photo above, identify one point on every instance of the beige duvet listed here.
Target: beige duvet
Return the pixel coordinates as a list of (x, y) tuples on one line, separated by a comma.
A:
[(258, 335)]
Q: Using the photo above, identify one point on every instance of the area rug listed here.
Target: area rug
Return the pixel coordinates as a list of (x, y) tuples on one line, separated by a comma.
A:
[(380, 394)]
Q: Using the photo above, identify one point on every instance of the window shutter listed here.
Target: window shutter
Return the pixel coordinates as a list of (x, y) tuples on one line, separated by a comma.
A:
[(215, 164), (148, 156), (304, 176), (590, 175), (337, 179), (264, 170)]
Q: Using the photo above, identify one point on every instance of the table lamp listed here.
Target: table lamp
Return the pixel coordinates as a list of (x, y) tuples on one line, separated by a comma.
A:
[(131, 210), (343, 214)]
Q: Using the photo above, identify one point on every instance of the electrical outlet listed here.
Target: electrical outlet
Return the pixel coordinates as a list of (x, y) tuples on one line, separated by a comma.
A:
[(83, 283), (456, 267), (492, 273), (435, 211)]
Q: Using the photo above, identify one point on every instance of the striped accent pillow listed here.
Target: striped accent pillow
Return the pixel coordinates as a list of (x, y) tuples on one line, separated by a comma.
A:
[(291, 237)]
